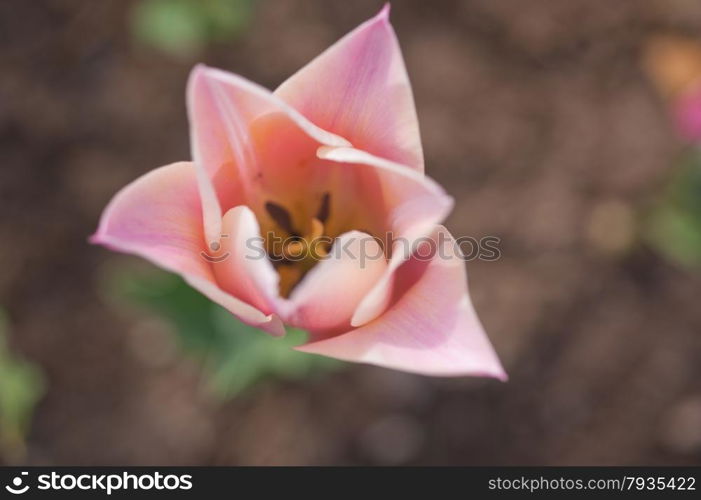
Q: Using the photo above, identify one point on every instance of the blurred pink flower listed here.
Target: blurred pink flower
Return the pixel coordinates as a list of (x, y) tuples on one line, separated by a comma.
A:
[(334, 151), (687, 115), (674, 65)]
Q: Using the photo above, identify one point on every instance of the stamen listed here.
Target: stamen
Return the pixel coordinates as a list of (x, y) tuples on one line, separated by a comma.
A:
[(317, 229), (280, 215), (317, 247), (325, 208)]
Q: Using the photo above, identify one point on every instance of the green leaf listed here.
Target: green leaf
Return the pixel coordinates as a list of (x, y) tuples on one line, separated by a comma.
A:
[(184, 27), (674, 225), (236, 356), (21, 388), (676, 234)]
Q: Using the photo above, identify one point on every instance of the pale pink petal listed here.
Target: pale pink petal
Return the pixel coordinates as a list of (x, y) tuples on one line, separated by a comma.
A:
[(431, 328), (159, 217), (270, 323), (327, 296), (406, 195), (221, 108), (359, 89), (377, 298), (241, 265), (412, 205)]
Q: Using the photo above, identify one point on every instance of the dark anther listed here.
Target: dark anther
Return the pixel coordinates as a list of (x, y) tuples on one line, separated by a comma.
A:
[(280, 215), (325, 208)]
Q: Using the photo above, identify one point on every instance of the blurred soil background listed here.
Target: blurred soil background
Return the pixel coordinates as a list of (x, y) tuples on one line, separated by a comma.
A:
[(537, 117)]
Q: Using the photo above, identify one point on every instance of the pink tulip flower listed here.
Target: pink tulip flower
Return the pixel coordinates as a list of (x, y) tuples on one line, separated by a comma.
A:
[(334, 152), (687, 115)]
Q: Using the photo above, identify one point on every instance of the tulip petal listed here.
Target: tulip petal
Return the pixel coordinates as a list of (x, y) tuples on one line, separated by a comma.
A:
[(431, 328), (324, 301), (414, 204), (359, 89), (159, 217), (221, 108), (241, 266)]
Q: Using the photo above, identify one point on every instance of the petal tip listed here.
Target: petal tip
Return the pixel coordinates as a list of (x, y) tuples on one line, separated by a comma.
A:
[(196, 72), (362, 316), (199, 75), (381, 20), (275, 326), (384, 13), (499, 374), (493, 369), (95, 239), (200, 68)]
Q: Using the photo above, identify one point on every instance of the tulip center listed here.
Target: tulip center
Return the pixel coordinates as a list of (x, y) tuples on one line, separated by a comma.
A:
[(295, 246)]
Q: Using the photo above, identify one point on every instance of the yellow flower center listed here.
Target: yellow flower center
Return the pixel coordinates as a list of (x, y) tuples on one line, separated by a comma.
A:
[(295, 251)]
